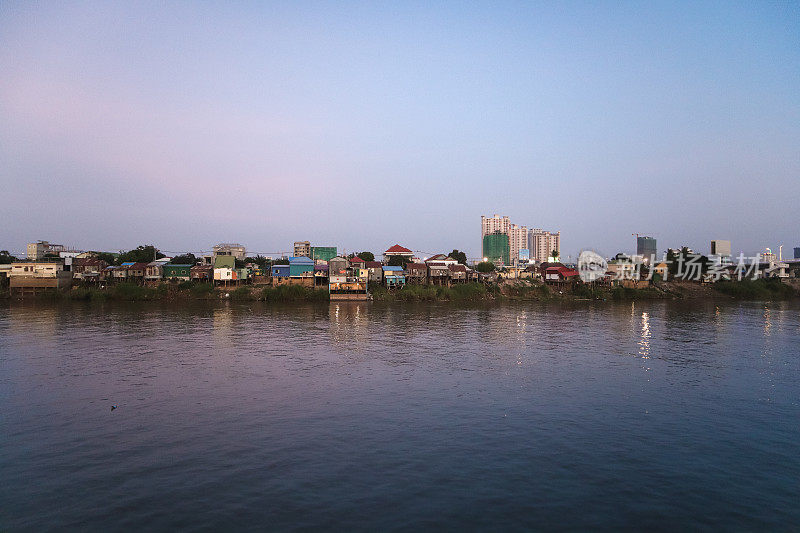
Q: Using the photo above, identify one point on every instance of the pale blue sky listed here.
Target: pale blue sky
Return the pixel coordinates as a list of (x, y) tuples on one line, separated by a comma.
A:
[(365, 124)]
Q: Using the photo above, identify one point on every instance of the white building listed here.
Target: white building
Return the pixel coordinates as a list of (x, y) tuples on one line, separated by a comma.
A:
[(517, 240), (721, 248), (541, 244), (495, 224)]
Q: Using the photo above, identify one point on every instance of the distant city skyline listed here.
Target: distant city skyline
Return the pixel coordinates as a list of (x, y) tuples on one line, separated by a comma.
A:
[(361, 126)]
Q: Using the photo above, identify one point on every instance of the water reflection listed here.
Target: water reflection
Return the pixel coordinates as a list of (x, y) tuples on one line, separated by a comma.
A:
[(348, 325), (644, 341)]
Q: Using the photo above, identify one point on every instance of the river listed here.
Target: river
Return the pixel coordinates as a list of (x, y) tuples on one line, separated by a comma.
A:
[(379, 417)]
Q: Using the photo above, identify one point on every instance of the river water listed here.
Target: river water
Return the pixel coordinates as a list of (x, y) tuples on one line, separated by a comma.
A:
[(371, 417)]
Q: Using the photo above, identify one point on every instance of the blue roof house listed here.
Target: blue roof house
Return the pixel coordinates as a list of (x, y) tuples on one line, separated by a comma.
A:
[(299, 266), (280, 271), (394, 276)]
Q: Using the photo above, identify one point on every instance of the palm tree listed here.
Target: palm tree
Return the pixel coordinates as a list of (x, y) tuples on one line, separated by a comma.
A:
[(554, 254)]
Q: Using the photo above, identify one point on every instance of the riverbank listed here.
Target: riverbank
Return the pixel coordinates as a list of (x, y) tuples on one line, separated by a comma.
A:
[(763, 289)]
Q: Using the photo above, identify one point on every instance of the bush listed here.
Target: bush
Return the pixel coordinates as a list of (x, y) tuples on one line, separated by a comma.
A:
[(242, 294), (201, 290), (759, 289), (582, 290), (293, 293), (132, 292)]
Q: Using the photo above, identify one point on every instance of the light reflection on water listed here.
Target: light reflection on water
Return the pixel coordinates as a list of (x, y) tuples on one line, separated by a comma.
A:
[(363, 416)]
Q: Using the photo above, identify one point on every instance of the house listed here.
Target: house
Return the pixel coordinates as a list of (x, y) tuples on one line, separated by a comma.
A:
[(300, 273), (343, 287), (107, 274), (224, 261), (458, 273), (394, 277), (438, 274), (121, 272), (155, 270), (87, 269), (398, 250), (280, 271), (201, 273), (230, 276), (338, 266), (375, 269), (441, 258), (136, 272), (417, 273), (320, 275), (661, 269), (178, 272), (33, 277), (301, 266), (560, 274)]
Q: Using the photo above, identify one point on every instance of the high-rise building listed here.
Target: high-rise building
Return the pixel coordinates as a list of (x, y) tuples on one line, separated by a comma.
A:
[(495, 224), (517, 240), (797, 253), (646, 247), (496, 248), (721, 248), (542, 243), (539, 243), (302, 249)]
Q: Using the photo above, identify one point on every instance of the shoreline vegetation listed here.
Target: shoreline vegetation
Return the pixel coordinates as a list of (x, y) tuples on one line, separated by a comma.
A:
[(761, 289)]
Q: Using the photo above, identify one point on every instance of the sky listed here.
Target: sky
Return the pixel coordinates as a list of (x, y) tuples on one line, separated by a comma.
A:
[(362, 125)]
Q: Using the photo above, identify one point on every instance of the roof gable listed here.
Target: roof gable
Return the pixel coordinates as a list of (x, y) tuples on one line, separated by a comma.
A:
[(398, 249)]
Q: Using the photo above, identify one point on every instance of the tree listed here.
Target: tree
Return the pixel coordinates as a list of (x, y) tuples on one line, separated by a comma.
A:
[(672, 263), (399, 260), (554, 254), (461, 257), (6, 257), (140, 254), (486, 266), (259, 260), (367, 256), (186, 259), (105, 256), (281, 261)]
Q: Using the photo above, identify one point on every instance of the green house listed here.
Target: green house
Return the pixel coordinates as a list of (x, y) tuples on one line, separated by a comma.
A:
[(177, 271)]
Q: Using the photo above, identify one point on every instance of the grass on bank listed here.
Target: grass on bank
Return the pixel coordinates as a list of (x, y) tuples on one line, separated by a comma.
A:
[(759, 289), (465, 292)]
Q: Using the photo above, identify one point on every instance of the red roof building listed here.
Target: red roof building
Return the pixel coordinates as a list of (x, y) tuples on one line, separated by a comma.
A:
[(398, 250)]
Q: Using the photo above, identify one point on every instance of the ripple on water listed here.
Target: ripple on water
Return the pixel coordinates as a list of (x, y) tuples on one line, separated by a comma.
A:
[(372, 416)]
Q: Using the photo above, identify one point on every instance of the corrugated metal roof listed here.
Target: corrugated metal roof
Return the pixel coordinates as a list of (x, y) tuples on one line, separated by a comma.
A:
[(393, 268)]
